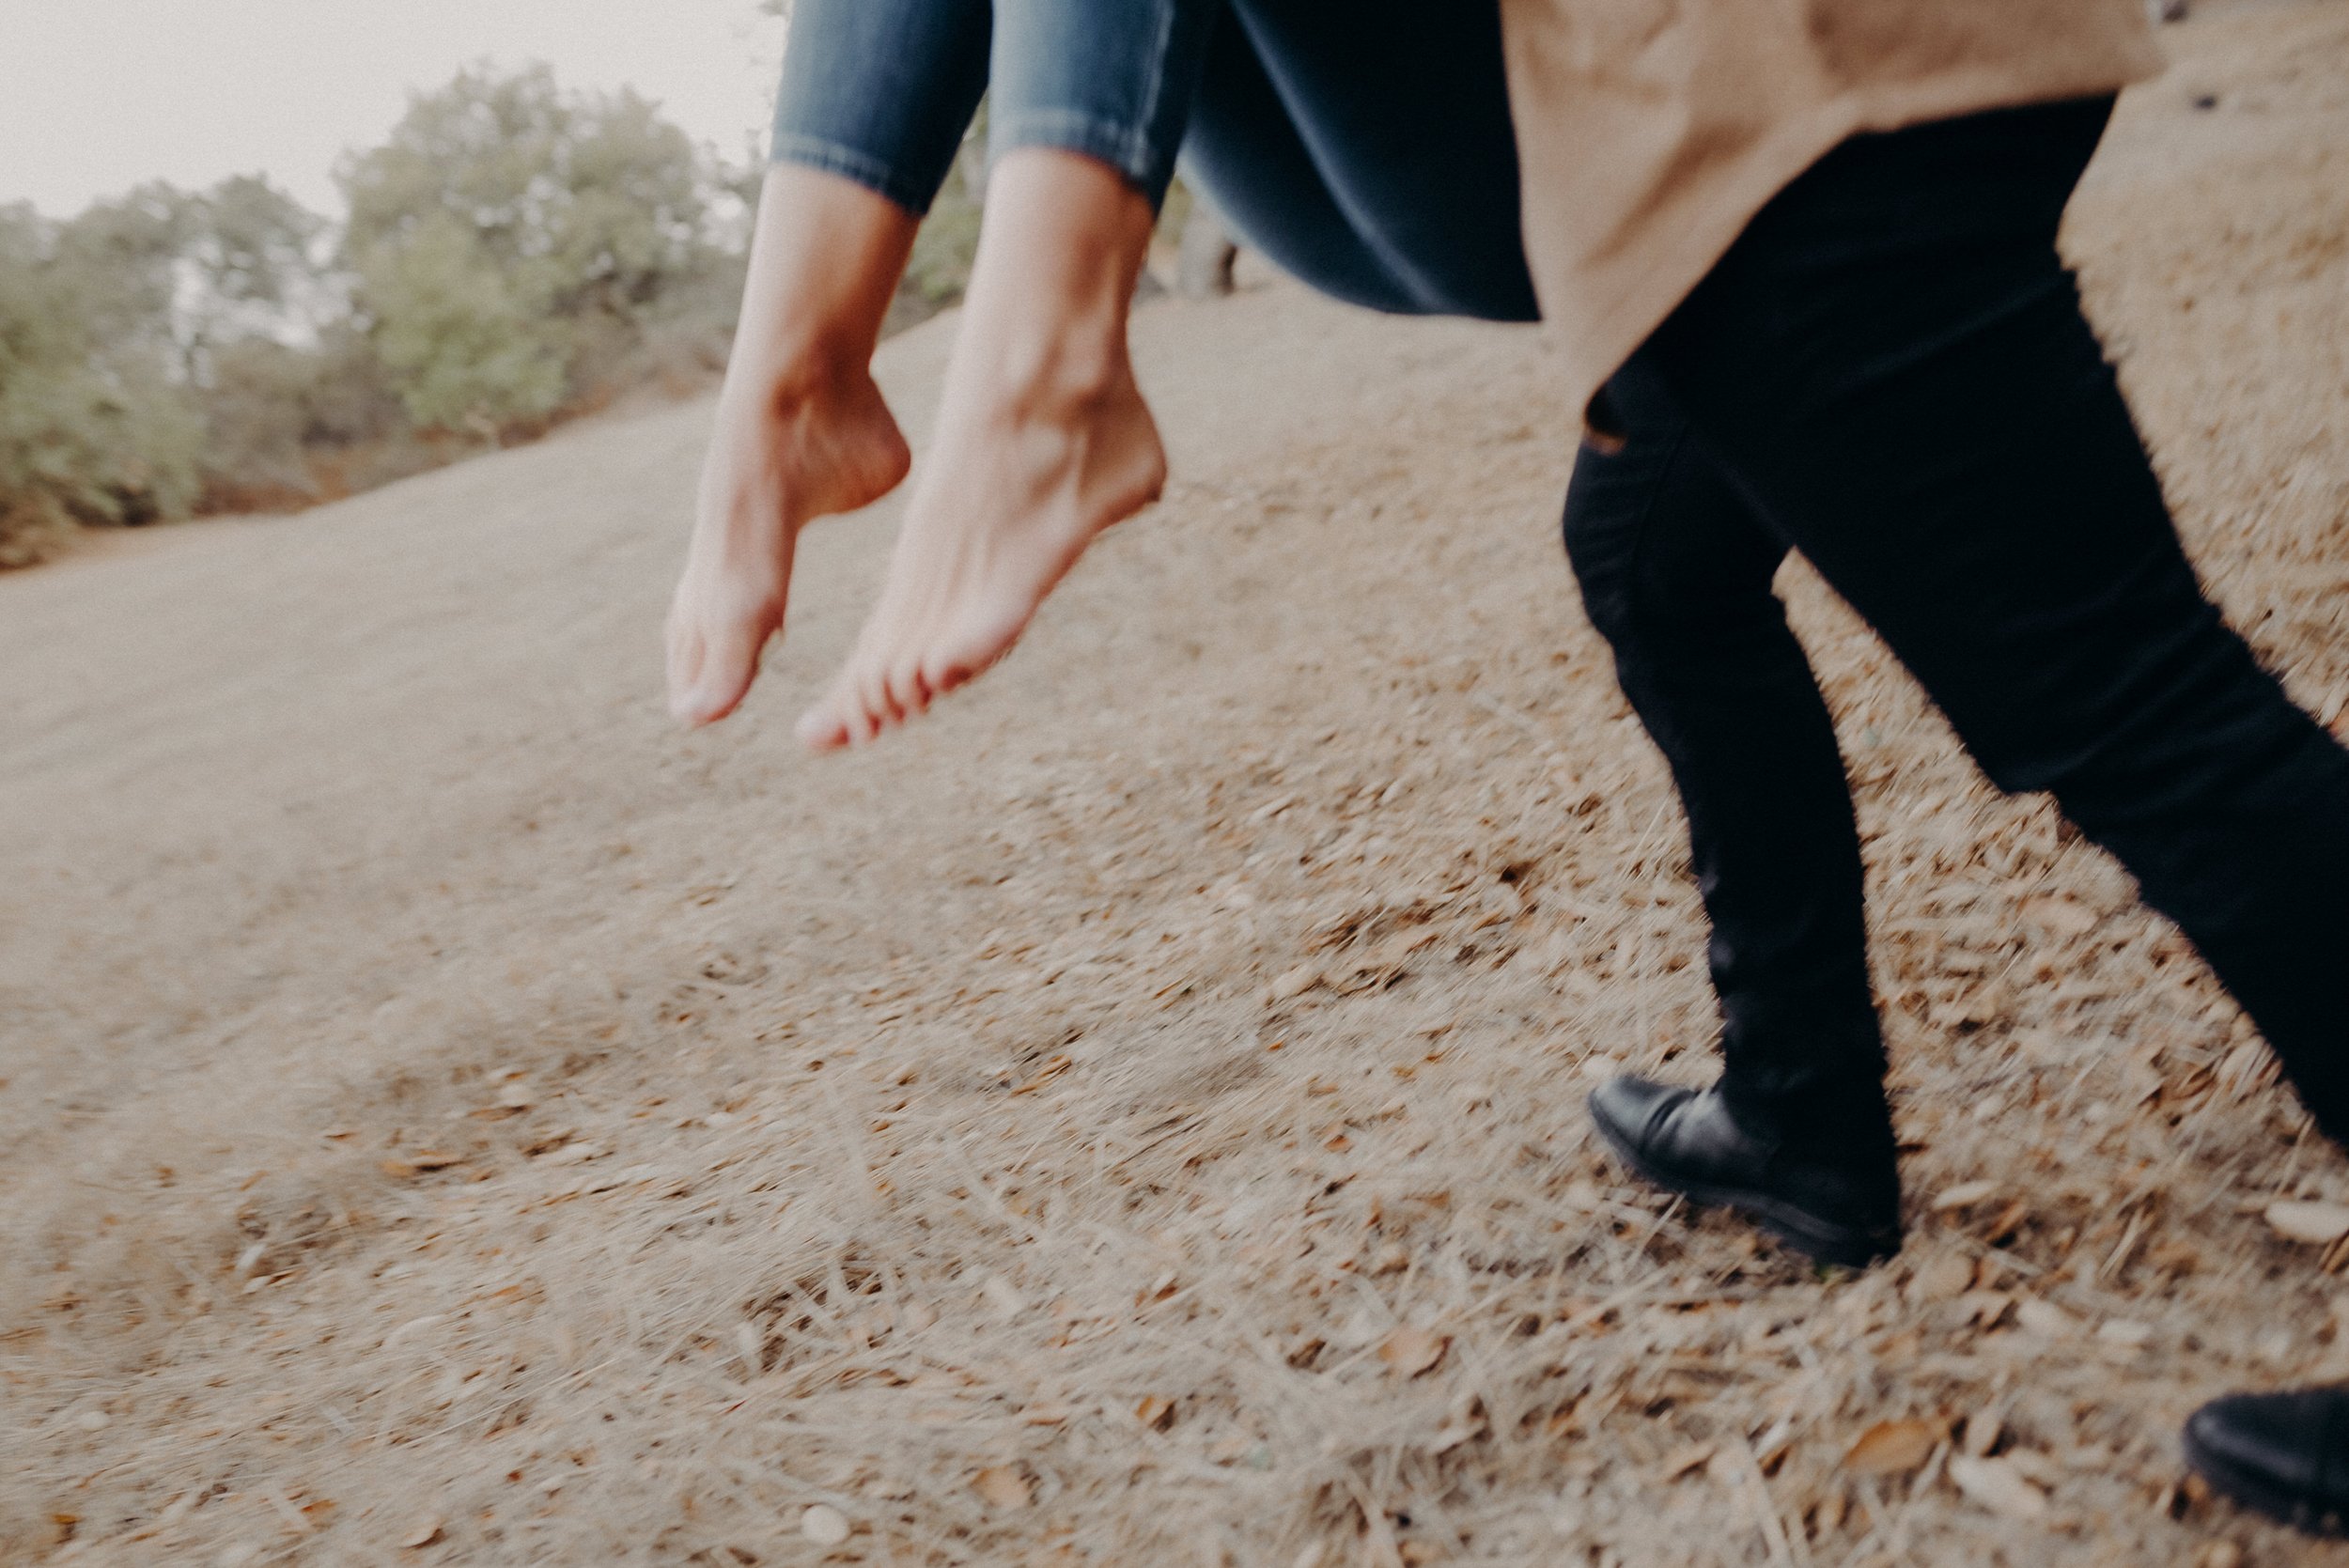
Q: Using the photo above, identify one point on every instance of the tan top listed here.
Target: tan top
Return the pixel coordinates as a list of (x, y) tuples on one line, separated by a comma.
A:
[(1652, 131)]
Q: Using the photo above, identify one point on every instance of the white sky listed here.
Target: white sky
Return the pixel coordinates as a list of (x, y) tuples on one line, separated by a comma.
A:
[(98, 95)]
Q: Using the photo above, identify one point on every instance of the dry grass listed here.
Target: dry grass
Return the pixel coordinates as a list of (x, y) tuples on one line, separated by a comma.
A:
[(1137, 1120)]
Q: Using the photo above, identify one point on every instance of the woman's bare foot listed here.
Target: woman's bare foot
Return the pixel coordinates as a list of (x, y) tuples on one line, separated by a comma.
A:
[(770, 470), (802, 429), (1043, 441)]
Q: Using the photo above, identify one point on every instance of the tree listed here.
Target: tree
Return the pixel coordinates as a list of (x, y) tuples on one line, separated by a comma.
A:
[(94, 428), (508, 231)]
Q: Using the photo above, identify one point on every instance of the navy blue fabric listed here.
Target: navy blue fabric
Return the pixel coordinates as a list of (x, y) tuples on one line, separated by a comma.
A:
[(880, 91), (1362, 145)]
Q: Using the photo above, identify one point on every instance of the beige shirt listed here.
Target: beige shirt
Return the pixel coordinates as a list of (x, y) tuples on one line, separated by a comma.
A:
[(1649, 132)]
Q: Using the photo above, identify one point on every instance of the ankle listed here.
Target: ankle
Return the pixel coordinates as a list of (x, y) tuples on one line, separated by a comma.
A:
[(787, 388), (1055, 377)]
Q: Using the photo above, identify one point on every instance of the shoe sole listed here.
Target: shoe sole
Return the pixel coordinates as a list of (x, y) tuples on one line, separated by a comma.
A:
[(1822, 1241), (2262, 1496)]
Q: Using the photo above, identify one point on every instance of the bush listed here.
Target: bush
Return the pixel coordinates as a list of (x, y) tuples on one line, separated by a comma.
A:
[(513, 243), (514, 254), (93, 429)]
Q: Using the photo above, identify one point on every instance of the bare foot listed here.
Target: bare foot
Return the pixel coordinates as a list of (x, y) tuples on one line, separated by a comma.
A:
[(1043, 441), (801, 428), (770, 470)]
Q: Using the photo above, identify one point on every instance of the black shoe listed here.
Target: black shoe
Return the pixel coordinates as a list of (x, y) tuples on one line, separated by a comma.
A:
[(1835, 1208), (2285, 1455)]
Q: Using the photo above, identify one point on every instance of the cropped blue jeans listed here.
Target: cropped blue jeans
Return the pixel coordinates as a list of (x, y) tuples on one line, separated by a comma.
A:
[(1364, 146)]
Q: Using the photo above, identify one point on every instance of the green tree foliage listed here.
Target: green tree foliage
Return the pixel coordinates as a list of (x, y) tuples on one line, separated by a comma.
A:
[(511, 242), (513, 253), (94, 428)]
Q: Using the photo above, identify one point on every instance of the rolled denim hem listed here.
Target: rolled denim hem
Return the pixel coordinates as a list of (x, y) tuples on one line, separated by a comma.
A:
[(816, 152), (1149, 169)]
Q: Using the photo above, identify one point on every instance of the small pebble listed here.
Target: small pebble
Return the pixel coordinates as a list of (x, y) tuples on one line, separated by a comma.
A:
[(823, 1524)]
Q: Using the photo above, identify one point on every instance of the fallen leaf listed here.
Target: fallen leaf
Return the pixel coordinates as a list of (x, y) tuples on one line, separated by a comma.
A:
[(2123, 1332), (1004, 1486), (1964, 1195), (1984, 1309), (2044, 1318), (824, 1525), (1045, 1075), (423, 1535), (1400, 946), (2249, 1066), (2062, 913), (434, 1159), (1460, 1430), (1412, 1351), (1998, 1487), (1296, 983), (2318, 1223), (1892, 1448), (1983, 1429), (1156, 1412), (1686, 1460), (1942, 1278)]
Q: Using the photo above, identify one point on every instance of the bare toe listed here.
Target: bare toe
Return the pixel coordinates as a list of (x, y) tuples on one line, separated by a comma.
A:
[(821, 728), (907, 691), (714, 652)]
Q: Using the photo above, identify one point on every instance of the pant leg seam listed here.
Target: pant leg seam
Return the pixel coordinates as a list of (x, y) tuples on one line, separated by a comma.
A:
[(1157, 90), (1117, 145), (837, 158)]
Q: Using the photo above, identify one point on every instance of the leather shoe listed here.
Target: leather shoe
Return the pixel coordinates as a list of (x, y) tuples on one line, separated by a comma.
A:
[(2285, 1455), (1839, 1207)]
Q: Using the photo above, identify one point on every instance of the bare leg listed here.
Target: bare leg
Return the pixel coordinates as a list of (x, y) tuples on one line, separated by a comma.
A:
[(802, 429), (1043, 441)]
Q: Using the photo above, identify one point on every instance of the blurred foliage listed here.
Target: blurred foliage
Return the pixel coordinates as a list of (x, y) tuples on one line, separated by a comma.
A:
[(95, 427), (513, 245), (514, 255)]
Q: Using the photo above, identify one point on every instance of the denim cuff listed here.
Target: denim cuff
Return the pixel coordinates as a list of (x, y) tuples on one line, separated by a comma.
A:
[(874, 174), (1123, 148)]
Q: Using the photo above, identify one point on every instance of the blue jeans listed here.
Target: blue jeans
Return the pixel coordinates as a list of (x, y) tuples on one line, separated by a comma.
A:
[(1364, 146)]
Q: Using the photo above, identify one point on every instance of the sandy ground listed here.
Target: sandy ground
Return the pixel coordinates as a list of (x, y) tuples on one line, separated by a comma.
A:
[(446, 1116)]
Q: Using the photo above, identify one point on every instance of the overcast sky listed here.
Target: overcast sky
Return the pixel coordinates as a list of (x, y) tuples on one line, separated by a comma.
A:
[(98, 95)]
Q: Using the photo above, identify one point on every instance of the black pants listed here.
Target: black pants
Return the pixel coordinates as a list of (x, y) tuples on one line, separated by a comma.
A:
[(1890, 372)]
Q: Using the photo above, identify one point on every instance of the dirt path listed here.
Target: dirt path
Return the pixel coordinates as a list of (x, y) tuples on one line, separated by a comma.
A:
[(438, 1103)]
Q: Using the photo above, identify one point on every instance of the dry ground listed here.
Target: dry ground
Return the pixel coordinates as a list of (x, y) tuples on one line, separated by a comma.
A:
[(1136, 1119)]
